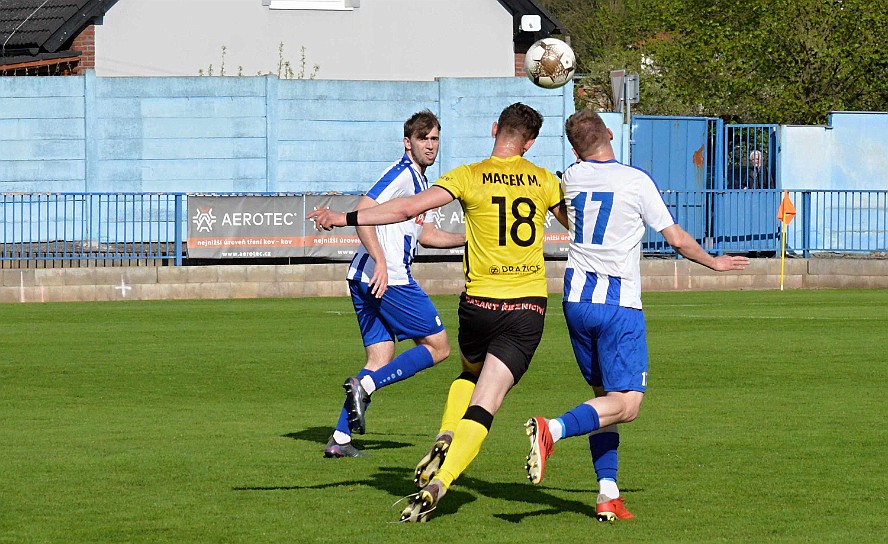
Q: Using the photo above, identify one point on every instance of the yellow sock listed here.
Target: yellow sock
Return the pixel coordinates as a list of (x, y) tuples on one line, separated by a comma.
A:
[(467, 440), (457, 401)]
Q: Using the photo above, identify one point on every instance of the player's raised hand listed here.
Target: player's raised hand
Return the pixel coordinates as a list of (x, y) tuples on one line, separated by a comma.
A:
[(327, 219)]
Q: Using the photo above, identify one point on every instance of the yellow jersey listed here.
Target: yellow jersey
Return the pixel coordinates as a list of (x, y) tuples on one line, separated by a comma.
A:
[(505, 203)]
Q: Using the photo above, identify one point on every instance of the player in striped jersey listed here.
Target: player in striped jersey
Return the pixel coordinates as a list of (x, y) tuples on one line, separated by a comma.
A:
[(388, 302), (501, 313), (608, 206)]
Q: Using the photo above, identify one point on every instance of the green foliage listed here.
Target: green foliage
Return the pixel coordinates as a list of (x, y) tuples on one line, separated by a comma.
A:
[(204, 421), (284, 70), (285, 67), (783, 61)]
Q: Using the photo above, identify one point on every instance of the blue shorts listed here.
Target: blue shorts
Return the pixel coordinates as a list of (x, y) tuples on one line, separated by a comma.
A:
[(610, 344), (404, 312)]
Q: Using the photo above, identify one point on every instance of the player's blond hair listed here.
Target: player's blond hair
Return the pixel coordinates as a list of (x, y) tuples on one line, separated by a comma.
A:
[(586, 132)]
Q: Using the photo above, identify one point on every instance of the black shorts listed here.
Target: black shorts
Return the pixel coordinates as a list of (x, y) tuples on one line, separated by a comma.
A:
[(508, 329)]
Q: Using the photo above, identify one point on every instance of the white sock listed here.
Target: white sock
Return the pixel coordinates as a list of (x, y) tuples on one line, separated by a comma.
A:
[(341, 438), (608, 488), (368, 384), (556, 428)]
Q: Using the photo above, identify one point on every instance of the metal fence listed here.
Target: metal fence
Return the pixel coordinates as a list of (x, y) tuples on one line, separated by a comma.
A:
[(83, 229), (750, 157), (126, 229), (738, 221)]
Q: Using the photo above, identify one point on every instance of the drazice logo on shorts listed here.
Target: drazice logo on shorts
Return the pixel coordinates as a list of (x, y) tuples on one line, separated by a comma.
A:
[(204, 219)]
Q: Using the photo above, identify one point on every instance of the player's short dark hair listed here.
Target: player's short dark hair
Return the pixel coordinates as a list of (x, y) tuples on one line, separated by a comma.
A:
[(520, 119), (586, 132), (420, 124)]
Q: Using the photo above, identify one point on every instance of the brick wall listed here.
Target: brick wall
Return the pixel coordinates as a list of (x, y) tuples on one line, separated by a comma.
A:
[(85, 42), (519, 64)]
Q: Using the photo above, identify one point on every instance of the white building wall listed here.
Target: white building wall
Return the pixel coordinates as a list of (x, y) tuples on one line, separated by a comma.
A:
[(400, 40)]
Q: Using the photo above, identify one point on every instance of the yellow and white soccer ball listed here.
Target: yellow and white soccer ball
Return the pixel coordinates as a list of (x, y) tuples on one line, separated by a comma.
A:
[(550, 63)]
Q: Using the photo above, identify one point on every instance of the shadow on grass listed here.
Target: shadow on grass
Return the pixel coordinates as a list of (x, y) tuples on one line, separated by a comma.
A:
[(390, 479), (537, 496), (320, 435), (398, 483)]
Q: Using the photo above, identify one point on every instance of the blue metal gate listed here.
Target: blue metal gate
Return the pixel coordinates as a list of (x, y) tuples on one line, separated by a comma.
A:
[(675, 151), (750, 156), (682, 155), (722, 170)]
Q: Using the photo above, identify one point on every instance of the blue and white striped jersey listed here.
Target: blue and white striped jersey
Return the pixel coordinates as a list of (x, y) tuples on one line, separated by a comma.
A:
[(398, 241), (608, 206)]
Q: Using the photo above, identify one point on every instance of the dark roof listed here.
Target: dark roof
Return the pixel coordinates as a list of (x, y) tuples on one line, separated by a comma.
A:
[(32, 30), (550, 25)]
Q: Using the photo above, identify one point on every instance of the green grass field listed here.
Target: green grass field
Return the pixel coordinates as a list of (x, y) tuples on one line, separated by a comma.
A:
[(204, 421)]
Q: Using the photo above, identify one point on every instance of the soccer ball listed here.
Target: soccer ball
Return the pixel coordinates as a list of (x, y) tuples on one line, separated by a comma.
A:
[(550, 63)]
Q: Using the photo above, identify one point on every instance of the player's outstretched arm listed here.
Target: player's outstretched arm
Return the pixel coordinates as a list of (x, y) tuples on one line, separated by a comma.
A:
[(432, 236), (387, 213), (326, 219), (685, 245), (560, 213)]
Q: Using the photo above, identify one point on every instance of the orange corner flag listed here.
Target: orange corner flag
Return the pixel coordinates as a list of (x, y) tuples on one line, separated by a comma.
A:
[(786, 212)]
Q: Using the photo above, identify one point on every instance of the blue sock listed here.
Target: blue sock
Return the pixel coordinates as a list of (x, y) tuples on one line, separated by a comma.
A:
[(342, 424), (604, 454), (581, 420), (403, 366)]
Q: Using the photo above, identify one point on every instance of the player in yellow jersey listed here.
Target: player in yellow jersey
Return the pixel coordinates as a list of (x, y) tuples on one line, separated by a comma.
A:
[(501, 313)]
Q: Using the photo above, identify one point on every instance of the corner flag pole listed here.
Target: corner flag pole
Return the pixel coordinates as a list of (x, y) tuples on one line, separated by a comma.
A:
[(783, 255), (785, 213)]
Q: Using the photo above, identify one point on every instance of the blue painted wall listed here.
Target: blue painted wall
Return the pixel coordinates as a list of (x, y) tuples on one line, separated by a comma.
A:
[(247, 134), (850, 153), (214, 134), (42, 134)]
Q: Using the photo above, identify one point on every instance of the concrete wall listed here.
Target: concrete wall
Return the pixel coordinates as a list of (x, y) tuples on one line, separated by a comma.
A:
[(380, 40), (850, 153), (322, 280), (248, 134), (245, 134)]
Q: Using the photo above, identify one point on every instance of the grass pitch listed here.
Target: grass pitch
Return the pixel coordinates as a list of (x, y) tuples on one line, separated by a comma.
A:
[(204, 421)]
